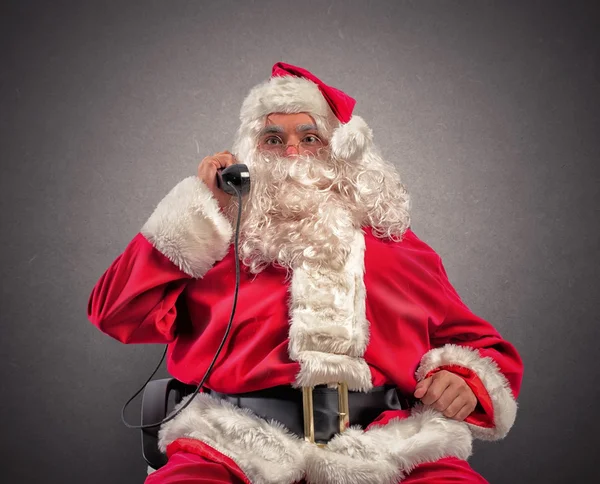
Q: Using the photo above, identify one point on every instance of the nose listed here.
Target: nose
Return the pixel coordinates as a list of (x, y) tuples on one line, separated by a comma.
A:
[(291, 150)]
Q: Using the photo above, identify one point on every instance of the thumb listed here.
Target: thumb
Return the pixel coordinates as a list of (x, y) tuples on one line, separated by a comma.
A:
[(422, 387)]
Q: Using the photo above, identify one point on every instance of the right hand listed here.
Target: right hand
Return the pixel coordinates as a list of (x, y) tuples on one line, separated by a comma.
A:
[(207, 172)]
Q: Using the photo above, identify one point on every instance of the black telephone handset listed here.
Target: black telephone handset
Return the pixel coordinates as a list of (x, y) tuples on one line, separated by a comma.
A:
[(238, 175)]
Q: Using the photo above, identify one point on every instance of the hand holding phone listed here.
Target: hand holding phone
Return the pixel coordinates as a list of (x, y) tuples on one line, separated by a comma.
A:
[(207, 172)]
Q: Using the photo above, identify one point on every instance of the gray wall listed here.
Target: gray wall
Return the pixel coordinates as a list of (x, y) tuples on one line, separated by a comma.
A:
[(489, 110)]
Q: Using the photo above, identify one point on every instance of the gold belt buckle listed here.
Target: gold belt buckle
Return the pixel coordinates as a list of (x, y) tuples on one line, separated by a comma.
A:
[(309, 420)]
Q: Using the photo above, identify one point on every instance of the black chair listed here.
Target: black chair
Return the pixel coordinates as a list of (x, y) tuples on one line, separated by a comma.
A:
[(156, 404)]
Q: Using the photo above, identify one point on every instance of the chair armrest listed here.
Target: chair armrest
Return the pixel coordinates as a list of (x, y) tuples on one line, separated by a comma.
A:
[(154, 409)]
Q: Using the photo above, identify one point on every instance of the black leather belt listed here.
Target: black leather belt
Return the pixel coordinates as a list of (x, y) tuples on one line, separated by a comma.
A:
[(285, 405)]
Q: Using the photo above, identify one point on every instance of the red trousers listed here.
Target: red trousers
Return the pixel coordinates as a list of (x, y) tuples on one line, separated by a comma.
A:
[(187, 466)]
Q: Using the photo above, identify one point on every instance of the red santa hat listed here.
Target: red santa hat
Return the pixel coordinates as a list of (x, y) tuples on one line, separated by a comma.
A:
[(340, 103), (292, 89)]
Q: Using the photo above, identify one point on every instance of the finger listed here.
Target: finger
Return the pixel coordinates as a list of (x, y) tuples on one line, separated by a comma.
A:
[(207, 170), (464, 412), (231, 160), (225, 160), (450, 394), (220, 161), (422, 387), (209, 166), (436, 390), (456, 406), (224, 154)]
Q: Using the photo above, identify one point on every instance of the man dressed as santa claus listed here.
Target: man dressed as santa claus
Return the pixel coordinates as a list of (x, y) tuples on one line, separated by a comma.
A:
[(351, 358)]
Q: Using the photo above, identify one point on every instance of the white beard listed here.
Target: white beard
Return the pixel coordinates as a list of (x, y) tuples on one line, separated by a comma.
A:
[(295, 215), (303, 211)]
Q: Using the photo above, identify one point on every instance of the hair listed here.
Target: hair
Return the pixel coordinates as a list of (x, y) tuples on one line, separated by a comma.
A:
[(303, 210)]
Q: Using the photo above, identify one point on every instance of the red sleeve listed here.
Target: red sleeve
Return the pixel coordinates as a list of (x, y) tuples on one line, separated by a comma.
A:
[(471, 347), (462, 327), (134, 300)]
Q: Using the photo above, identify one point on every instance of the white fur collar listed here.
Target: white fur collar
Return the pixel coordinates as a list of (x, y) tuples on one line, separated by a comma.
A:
[(329, 331)]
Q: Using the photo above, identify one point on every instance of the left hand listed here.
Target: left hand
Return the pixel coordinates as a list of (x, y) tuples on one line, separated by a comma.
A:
[(447, 393)]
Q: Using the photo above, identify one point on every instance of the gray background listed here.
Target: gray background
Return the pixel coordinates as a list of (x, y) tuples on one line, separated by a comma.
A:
[(489, 110)]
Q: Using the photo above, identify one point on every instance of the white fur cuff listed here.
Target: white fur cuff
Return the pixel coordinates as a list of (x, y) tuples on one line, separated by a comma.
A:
[(496, 384), (188, 227)]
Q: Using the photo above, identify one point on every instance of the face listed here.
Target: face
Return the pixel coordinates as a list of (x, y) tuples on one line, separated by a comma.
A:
[(290, 135)]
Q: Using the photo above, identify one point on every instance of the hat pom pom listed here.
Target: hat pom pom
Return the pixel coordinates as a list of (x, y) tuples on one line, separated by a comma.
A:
[(351, 139)]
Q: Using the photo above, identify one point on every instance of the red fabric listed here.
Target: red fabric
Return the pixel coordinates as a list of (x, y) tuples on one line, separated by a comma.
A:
[(449, 470), (190, 468), (410, 304), (483, 415), (189, 464), (136, 296), (197, 447), (388, 415), (341, 104)]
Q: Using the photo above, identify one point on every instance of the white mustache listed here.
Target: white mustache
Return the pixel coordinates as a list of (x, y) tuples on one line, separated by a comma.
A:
[(300, 170)]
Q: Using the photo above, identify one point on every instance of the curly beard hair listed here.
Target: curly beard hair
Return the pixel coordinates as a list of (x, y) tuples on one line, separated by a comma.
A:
[(302, 211)]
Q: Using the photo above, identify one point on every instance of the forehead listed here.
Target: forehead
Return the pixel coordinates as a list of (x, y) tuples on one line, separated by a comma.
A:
[(289, 120)]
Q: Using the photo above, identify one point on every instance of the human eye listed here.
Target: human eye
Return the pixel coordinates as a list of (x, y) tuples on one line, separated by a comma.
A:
[(312, 139), (272, 140)]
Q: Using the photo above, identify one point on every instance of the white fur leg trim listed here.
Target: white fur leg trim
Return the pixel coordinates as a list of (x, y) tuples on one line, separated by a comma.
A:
[(388, 453), (496, 384), (266, 452), (351, 140), (329, 331), (188, 227)]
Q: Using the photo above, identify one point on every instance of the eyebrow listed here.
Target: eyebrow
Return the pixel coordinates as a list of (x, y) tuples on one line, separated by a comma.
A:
[(271, 129), (279, 129), (306, 127)]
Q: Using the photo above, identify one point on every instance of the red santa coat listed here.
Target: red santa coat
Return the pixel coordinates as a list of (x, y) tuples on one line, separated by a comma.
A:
[(391, 317)]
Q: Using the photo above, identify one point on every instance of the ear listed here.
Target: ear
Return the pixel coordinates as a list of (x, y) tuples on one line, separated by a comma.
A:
[(352, 139)]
